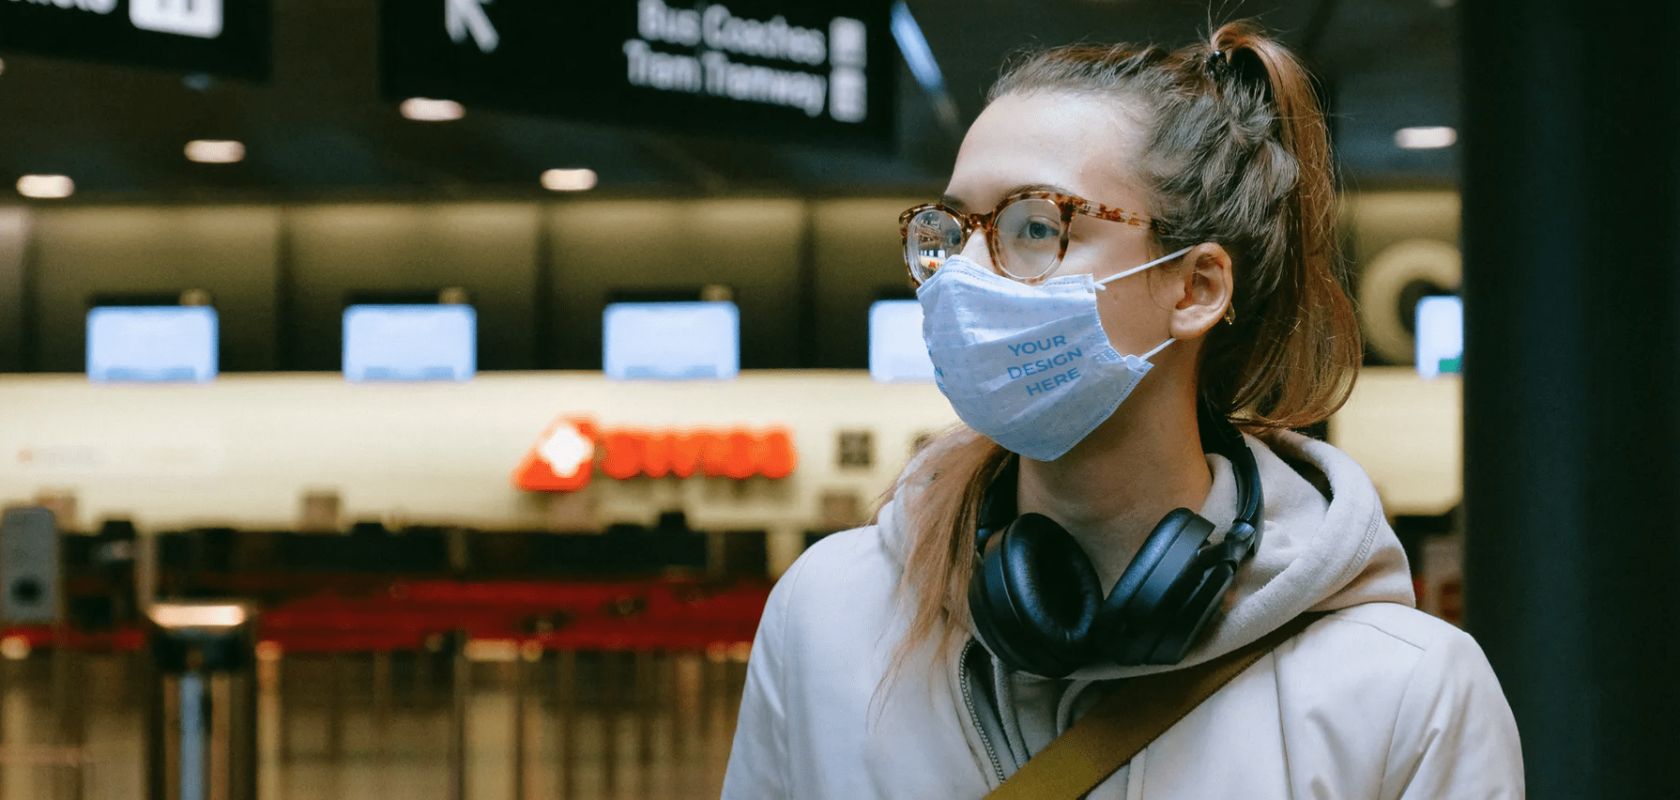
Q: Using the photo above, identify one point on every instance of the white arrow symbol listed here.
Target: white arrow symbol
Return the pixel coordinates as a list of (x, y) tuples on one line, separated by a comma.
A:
[(461, 17)]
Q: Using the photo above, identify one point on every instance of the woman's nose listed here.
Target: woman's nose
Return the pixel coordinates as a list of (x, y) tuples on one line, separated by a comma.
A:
[(975, 249)]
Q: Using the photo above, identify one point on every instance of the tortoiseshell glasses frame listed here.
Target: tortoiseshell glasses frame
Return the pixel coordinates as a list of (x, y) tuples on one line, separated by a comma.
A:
[(922, 260)]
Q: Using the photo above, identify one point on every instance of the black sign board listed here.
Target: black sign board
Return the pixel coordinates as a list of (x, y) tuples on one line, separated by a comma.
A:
[(818, 71), (220, 37)]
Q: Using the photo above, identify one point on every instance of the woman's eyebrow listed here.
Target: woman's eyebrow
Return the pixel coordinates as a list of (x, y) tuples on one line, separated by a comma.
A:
[(1038, 187), (956, 202)]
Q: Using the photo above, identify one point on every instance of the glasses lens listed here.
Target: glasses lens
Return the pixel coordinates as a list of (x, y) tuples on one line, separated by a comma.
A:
[(1029, 238), (932, 236)]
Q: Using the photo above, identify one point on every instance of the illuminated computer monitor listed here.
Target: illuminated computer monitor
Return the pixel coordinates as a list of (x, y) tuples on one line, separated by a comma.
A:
[(151, 343), (1440, 336), (673, 341), (897, 353), (410, 342)]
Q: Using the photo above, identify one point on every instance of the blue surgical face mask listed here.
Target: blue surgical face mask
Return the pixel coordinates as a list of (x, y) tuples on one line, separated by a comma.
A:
[(1029, 367)]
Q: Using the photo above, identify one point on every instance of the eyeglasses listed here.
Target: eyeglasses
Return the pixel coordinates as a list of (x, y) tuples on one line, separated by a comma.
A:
[(1027, 234)]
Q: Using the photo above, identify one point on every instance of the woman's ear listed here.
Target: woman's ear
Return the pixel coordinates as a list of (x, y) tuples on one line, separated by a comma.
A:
[(1202, 291)]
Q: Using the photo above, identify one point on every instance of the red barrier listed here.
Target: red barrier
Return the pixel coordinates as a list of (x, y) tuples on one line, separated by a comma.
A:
[(656, 614)]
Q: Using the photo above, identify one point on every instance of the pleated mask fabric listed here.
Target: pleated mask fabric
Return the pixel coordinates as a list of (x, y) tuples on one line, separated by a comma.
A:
[(1028, 366)]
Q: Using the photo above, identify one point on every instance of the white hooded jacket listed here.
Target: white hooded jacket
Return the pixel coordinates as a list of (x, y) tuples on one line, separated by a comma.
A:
[(1377, 700)]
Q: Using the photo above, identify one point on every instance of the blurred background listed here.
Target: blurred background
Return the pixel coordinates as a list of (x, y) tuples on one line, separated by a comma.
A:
[(420, 398)]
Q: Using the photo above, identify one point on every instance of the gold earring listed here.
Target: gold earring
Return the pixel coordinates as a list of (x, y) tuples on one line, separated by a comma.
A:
[(1231, 314)]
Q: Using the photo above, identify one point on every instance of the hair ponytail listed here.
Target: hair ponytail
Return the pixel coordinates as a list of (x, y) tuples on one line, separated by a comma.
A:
[(1321, 337), (942, 519)]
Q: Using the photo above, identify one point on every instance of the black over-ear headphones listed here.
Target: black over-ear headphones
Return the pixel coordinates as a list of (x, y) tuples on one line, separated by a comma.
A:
[(1035, 598)]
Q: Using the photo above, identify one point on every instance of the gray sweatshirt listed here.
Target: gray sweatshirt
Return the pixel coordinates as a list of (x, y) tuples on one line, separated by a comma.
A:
[(1377, 700)]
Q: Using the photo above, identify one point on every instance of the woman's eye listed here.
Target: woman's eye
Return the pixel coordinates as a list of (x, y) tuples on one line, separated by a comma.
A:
[(1040, 229)]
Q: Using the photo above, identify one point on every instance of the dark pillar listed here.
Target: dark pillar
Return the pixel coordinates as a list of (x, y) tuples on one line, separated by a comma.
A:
[(1571, 148)]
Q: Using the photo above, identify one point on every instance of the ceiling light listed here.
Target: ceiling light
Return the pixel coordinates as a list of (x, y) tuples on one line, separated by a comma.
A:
[(1425, 138), (568, 180), (915, 48), (196, 615), (504, 650), (215, 151), (428, 110), (46, 187), (15, 648)]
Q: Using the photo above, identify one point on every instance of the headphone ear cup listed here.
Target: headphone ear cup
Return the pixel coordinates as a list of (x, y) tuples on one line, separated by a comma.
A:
[(1036, 598), (1141, 608)]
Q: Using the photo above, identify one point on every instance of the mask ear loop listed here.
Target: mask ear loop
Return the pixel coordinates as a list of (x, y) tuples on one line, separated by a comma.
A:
[(1159, 348), (1135, 270)]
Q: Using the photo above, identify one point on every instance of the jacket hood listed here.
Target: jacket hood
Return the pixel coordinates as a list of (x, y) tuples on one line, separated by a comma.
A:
[(1319, 550)]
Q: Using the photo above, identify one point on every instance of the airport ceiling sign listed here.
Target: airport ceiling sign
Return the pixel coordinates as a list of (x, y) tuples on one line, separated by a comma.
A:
[(808, 71), (220, 37)]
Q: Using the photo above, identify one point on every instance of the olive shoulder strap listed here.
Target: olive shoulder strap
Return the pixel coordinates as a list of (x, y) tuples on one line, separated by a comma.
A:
[(1120, 725)]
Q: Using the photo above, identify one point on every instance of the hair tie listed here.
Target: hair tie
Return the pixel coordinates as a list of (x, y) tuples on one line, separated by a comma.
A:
[(1217, 63)]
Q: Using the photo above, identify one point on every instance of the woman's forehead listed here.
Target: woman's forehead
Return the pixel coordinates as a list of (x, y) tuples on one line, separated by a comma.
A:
[(1079, 143)]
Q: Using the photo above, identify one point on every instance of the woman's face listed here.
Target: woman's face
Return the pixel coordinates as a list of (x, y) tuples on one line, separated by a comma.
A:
[(1078, 145)]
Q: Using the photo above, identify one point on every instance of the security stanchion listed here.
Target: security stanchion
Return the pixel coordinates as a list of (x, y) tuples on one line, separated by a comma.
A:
[(565, 720), (461, 687), (202, 731)]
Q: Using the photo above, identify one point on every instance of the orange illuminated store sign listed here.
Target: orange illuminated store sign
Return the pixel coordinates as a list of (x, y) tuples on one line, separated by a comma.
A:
[(572, 449)]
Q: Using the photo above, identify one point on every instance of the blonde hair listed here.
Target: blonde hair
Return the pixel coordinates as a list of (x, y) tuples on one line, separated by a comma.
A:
[(1236, 153)]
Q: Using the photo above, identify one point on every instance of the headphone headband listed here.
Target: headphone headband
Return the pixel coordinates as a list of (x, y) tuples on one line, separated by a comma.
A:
[(998, 509), (1220, 437)]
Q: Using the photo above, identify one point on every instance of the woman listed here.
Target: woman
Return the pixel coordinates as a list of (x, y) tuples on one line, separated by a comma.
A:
[(1175, 207)]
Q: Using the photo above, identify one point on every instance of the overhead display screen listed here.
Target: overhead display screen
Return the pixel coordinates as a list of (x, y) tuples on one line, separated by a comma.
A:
[(1440, 336), (410, 342), (897, 352), (220, 37), (151, 343), (699, 340), (811, 71)]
